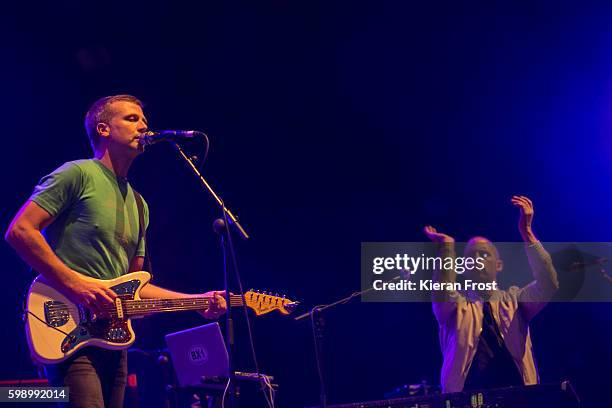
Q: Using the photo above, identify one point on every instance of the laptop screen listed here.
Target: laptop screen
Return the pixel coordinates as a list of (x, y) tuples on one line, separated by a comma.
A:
[(198, 354)]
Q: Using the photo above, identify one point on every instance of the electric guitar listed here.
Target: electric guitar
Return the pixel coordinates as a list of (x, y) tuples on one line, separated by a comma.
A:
[(56, 328)]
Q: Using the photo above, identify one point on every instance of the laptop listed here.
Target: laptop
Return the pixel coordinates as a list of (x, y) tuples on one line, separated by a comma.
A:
[(198, 354)]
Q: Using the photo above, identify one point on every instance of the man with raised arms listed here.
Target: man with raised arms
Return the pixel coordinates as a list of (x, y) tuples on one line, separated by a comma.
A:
[(484, 335)]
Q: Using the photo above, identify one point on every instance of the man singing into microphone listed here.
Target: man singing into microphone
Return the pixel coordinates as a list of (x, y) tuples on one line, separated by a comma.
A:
[(90, 218)]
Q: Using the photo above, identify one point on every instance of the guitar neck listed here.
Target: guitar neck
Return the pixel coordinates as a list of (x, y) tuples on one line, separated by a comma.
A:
[(143, 307)]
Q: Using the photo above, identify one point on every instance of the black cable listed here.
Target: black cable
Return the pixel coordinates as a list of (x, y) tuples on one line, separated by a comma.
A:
[(195, 157), (205, 151), (244, 307), (318, 345), (27, 312), (47, 324)]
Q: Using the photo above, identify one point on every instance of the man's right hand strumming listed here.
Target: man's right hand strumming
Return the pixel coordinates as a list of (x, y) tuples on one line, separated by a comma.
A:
[(93, 295)]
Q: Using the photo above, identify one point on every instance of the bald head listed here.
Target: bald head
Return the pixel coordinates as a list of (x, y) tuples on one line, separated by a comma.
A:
[(479, 242), (481, 247)]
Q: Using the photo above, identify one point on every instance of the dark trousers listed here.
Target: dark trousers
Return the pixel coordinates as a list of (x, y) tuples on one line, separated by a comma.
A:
[(96, 378)]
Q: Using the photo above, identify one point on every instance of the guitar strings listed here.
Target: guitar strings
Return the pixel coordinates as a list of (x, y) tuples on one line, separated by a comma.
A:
[(137, 304), (134, 309)]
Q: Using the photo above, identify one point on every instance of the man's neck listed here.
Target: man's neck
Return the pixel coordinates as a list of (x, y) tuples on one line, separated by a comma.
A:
[(482, 295), (120, 165)]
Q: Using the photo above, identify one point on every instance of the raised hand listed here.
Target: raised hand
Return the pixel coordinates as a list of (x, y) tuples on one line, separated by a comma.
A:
[(526, 217), (436, 236)]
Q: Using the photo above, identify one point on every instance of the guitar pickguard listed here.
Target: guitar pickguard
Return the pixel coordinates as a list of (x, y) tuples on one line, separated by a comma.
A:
[(127, 288), (90, 326)]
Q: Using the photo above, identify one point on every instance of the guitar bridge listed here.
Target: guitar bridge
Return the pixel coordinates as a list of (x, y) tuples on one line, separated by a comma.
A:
[(56, 313)]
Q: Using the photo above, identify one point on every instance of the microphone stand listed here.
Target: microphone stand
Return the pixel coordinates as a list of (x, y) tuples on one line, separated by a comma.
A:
[(226, 211), (221, 228), (317, 322)]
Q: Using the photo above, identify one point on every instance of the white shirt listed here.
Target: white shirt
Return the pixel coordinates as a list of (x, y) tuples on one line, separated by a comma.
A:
[(460, 321)]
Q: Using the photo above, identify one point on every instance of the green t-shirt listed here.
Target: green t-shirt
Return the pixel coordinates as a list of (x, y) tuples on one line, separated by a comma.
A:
[(96, 223)]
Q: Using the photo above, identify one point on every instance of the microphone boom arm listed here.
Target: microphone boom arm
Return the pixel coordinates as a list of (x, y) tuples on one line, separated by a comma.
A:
[(231, 216)]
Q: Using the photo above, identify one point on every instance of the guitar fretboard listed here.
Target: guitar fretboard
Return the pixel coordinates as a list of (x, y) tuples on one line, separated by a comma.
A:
[(146, 306)]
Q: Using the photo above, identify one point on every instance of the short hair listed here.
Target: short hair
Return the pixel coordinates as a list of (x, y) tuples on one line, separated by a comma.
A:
[(100, 112)]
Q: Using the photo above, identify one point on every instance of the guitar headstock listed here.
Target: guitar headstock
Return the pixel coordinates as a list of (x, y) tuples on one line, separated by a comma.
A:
[(264, 302)]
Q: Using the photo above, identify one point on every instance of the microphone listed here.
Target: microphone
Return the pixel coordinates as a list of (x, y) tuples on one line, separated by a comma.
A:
[(595, 262), (150, 137)]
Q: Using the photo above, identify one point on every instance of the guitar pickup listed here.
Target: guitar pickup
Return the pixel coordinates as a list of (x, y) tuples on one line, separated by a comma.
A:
[(119, 307)]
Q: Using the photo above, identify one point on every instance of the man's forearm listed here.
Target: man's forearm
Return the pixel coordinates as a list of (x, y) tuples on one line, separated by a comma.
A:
[(542, 267), (32, 247), (445, 250), (528, 236), (540, 261)]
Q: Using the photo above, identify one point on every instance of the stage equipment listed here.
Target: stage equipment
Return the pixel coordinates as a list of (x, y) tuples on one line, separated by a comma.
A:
[(558, 395)]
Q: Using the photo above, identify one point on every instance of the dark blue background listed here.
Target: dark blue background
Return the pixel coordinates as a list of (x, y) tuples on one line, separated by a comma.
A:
[(331, 123)]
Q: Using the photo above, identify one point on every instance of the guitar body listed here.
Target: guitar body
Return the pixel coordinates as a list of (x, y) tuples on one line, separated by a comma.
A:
[(56, 328)]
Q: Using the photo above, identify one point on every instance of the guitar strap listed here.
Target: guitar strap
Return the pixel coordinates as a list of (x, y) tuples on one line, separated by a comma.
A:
[(142, 231)]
